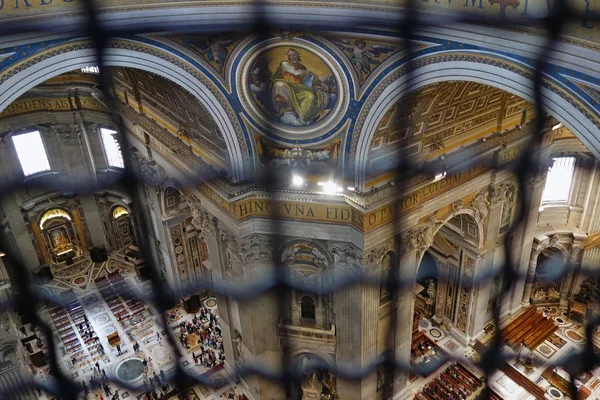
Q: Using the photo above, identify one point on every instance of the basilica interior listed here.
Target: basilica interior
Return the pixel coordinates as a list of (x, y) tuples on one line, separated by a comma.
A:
[(155, 201)]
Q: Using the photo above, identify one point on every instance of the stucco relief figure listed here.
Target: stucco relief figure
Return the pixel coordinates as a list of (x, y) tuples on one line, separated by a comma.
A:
[(481, 204), (297, 94), (431, 289), (428, 233), (239, 348), (197, 217)]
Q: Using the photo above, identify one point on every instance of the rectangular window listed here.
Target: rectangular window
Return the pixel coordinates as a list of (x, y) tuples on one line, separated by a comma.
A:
[(114, 157), (31, 152), (559, 179)]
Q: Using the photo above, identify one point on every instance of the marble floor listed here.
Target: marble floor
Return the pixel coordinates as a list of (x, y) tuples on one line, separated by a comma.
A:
[(568, 339), (152, 344)]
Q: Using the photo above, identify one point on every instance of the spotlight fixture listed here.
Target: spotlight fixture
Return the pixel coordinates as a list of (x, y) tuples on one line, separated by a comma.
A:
[(440, 175), (330, 187), (351, 188), (297, 180), (557, 126)]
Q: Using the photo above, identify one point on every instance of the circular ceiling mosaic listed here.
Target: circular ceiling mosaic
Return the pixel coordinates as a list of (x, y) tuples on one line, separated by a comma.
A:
[(293, 90)]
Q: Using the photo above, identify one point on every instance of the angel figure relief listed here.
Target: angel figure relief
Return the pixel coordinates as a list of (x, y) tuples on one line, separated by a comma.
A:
[(362, 56), (213, 49)]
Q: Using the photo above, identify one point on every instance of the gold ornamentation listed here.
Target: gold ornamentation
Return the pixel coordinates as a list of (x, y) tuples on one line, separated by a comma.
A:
[(54, 213), (119, 211)]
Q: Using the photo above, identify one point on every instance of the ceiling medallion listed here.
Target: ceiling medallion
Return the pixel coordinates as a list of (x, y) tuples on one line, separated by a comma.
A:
[(293, 90)]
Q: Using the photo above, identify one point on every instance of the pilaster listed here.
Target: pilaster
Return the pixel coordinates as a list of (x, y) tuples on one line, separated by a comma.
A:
[(408, 270), (573, 265), (525, 239)]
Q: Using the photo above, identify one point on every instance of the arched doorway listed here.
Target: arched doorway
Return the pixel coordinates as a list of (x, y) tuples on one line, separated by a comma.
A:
[(60, 235), (444, 291), (426, 286), (317, 382), (548, 279), (124, 231)]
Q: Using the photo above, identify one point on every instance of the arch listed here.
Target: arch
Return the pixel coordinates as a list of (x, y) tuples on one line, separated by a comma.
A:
[(435, 227), (54, 212), (515, 80), (304, 357), (320, 253), (73, 56), (119, 211), (308, 308)]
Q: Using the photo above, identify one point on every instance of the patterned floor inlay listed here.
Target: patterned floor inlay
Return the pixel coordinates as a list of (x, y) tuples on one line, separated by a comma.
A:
[(435, 333), (556, 341), (102, 319), (546, 350), (451, 345), (574, 336), (211, 303)]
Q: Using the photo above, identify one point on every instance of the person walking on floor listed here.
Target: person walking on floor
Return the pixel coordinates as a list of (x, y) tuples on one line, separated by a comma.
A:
[(119, 350), (98, 366)]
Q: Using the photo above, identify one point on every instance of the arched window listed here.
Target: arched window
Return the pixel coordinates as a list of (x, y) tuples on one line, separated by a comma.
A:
[(307, 308)]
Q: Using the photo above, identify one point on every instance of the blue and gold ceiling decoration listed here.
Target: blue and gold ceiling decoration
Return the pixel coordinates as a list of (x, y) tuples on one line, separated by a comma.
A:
[(307, 91)]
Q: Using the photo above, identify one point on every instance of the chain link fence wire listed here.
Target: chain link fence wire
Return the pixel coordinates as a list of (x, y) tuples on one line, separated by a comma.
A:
[(28, 299)]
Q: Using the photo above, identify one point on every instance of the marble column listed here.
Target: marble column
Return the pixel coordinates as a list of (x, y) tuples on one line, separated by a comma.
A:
[(530, 278), (93, 219), (80, 230), (39, 239), (573, 264), (438, 318), (480, 314), (23, 244), (259, 321)]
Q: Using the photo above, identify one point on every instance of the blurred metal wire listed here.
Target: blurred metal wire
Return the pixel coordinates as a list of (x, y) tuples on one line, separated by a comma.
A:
[(27, 298)]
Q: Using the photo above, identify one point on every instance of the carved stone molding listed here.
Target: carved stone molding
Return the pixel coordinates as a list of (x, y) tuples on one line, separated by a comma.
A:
[(499, 193), (375, 255), (457, 206), (256, 247), (421, 237), (576, 252), (149, 170), (291, 251), (202, 220), (536, 178), (345, 253), (68, 133)]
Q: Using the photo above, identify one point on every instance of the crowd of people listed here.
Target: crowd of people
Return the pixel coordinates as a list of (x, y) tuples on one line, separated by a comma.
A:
[(208, 333)]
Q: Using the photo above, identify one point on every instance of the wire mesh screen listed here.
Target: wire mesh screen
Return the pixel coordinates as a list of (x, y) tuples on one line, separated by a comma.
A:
[(28, 298)]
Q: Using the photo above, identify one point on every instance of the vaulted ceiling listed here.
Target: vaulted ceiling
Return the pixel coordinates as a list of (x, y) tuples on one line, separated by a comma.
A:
[(174, 109), (442, 118)]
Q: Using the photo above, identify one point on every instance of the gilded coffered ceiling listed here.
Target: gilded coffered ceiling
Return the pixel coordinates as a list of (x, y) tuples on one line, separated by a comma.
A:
[(174, 109), (444, 117)]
